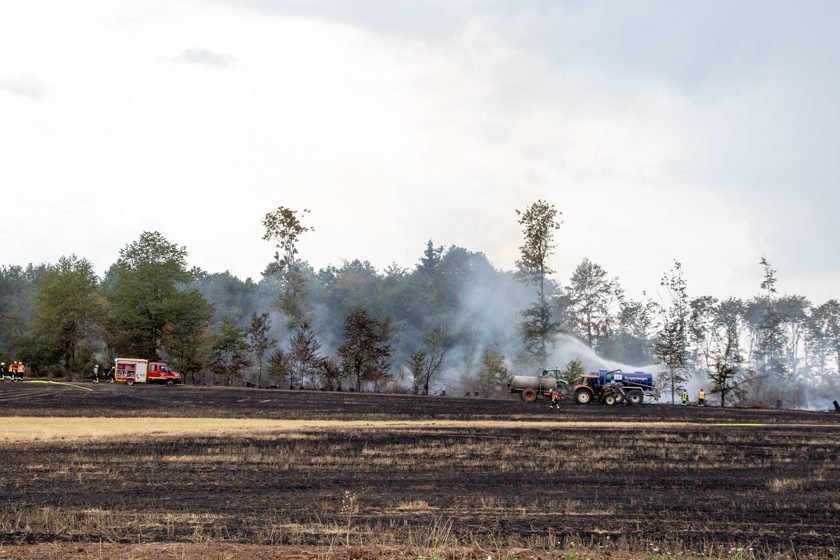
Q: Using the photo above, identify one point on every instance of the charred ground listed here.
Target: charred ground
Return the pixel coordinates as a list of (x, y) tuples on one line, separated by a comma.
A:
[(701, 486)]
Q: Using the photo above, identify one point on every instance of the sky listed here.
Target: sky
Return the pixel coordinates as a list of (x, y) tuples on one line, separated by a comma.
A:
[(705, 132)]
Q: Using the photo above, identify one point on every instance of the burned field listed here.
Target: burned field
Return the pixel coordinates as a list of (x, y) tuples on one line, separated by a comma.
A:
[(631, 478)]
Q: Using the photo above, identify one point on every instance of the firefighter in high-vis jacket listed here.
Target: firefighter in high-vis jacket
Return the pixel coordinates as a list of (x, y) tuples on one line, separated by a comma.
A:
[(555, 398), (684, 397), (701, 398)]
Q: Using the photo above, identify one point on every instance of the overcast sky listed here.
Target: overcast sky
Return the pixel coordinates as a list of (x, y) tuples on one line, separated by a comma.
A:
[(705, 131)]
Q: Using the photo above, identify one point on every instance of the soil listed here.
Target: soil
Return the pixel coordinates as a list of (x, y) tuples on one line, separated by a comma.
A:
[(766, 480)]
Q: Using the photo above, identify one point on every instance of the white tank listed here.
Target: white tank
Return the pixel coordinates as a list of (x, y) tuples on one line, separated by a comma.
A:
[(533, 382)]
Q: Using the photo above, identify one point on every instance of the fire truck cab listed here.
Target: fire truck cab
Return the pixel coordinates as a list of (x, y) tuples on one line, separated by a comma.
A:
[(132, 370)]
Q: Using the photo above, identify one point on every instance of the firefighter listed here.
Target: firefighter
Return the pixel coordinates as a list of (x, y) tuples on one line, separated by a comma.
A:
[(96, 373), (13, 370), (555, 399), (701, 398), (20, 370), (3, 371), (684, 397)]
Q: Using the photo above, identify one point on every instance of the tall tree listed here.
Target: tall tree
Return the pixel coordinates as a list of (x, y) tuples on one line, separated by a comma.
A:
[(767, 325), (539, 222), (366, 351), (671, 342), (146, 290), (284, 227), (229, 351), (258, 340), (67, 307)]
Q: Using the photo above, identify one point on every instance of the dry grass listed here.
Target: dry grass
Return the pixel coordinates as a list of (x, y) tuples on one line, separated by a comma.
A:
[(27, 429)]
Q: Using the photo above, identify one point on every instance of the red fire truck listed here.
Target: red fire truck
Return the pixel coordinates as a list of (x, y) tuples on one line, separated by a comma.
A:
[(131, 371)]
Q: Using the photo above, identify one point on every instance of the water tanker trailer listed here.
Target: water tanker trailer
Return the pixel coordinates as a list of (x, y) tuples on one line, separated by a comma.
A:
[(616, 386), (530, 387)]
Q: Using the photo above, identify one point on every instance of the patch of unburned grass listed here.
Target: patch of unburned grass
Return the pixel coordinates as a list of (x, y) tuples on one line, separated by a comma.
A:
[(29, 429)]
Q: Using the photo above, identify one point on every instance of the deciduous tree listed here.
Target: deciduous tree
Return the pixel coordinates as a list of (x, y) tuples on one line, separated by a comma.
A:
[(284, 227), (366, 351), (671, 342), (229, 351), (67, 307)]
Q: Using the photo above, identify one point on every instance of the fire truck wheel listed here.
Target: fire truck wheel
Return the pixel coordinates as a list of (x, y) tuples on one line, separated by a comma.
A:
[(169, 383), (609, 400), (129, 382), (529, 395), (583, 396), (635, 397)]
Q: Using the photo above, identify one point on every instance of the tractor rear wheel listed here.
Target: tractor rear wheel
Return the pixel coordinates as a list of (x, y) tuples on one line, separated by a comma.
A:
[(529, 395), (635, 397), (583, 396)]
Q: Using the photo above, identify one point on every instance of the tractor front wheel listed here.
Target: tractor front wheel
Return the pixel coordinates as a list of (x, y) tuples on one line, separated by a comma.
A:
[(583, 397), (529, 395)]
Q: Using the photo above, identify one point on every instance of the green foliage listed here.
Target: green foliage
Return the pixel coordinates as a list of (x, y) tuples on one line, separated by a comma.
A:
[(592, 295), (145, 292), (427, 361), (284, 227), (229, 352), (67, 308), (18, 287), (572, 372), (727, 374), (258, 340), (187, 339), (305, 356), (671, 343), (279, 366), (494, 374), (539, 222), (366, 351)]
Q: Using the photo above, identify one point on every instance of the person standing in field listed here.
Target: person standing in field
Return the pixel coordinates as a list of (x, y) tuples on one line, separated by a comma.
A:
[(96, 373), (684, 397), (3, 371), (701, 398), (13, 370), (555, 398), (20, 371)]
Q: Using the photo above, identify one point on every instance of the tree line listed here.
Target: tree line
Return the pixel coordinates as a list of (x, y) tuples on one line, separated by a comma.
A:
[(452, 318)]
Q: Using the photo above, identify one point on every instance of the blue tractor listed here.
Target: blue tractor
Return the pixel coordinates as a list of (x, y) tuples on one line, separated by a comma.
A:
[(615, 387)]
